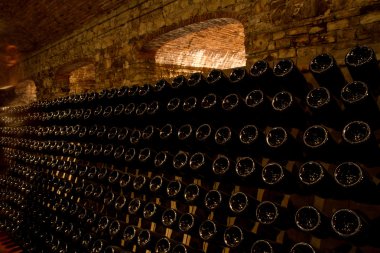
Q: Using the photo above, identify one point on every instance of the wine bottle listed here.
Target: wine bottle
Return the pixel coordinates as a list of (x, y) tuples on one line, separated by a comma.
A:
[(125, 181), (281, 144), (318, 141), (140, 183), (210, 104), (169, 217), (213, 200), (262, 75), (130, 110), (193, 194), (265, 246), (204, 134), (163, 245), (242, 205), (302, 247), (162, 159), (354, 182), (179, 85), (130, 234), (135, 136), (252, 137), (309, 219), (362, 64), (314, 179), (290, 78), (357, 98), (269, 213), (130, 156), (187, 223), (135, 206), (246, 168), (232, 103), (275, 176), (145, 240), (123, 134), (121, 203), (327, 73), (221, 165), (162, 90), (184, 134), (208, 230), (287, 110), (190, 105), (149, 134), (200, 162), (146, 156), (114, 249), (174, 188), (102, 225), (223, 136), (181, 248), (115, 229), (217, 80), (258, 106), (240, 80), (153, 212), (180, 160), (347, 223), (166, 132), (323, 106), (145, 92), (121, 93), (233, 236), (114, 177), (197, 83), (358, 137), (173, 107)]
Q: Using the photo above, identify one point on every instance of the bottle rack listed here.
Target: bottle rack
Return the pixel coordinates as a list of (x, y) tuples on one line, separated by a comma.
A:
[(255, 161)]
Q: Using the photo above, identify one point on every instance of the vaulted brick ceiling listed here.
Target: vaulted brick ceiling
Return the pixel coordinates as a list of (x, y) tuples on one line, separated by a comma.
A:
[(34, 23), (214, 43)]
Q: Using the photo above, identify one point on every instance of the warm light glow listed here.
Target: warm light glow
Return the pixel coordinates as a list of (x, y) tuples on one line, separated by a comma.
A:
[(209, 44), (82, 79)]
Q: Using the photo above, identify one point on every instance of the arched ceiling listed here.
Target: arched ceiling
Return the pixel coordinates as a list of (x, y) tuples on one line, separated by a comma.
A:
[(214, 43), (32, 24)]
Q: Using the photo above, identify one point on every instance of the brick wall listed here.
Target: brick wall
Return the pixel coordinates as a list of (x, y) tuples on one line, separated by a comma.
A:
[(273, 29)]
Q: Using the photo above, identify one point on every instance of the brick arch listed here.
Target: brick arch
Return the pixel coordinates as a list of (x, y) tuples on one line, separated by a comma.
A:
[(200, 44), (150, 41), (75, 77), (67, 68)]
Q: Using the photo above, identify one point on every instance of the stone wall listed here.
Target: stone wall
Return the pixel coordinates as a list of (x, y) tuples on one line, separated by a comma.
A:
[(273, 29)]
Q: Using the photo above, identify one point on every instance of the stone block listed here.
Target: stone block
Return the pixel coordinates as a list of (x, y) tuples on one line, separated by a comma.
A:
[(226, 3), (370, 18), (212, 5), (330, 37), (282, 43), (271, 45), (323, 38), (316, 29), (260, 42), (274, 55), (298, 30), (278, 35), (346, 34), (304, 56), (336, 25), (302, 40), (287, 53)]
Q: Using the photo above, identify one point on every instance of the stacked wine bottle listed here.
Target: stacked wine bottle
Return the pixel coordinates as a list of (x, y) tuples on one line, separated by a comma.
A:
[(257, 161)]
